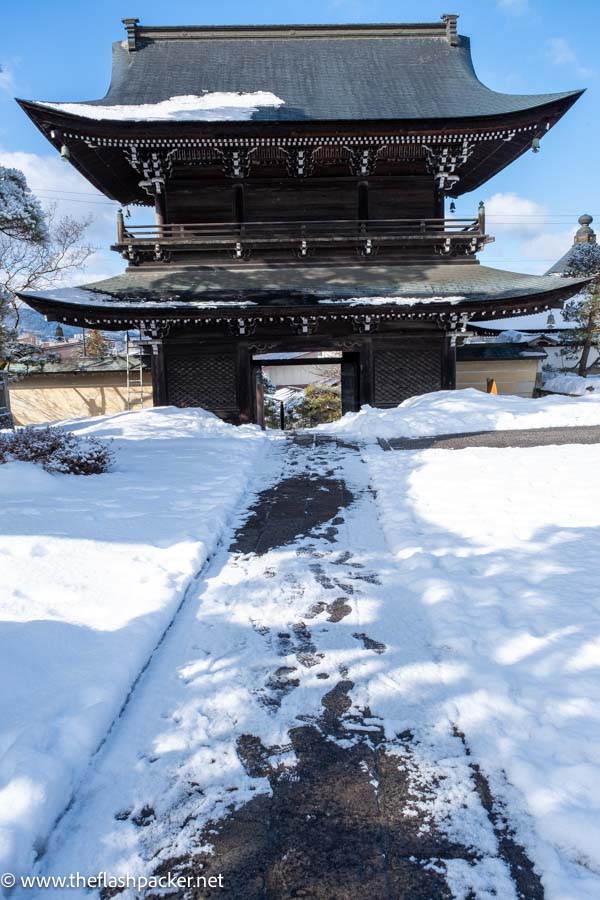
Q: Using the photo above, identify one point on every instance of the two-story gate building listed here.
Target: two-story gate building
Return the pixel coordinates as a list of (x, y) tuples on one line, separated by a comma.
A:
[(299, 177)]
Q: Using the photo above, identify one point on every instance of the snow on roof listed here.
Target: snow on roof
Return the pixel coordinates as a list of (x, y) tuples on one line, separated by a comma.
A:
[(285, 395), (331, 72), (516, 337), (537, 322), (220, 106), (84, 297), (575, 385), (392, 301)]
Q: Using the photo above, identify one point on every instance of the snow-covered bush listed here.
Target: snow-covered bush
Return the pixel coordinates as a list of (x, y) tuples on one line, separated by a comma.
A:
[(21, 214), (57, 450)]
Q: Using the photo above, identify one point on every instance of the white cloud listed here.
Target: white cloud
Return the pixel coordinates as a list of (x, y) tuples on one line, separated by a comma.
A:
[(515, 7), (527, 239), (57, 183), (547, 247), (560, 53), (516, 215)]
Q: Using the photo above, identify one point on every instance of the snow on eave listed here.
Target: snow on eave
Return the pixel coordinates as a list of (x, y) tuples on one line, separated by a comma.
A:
[(220, 106), (392, 301), (83, 297)]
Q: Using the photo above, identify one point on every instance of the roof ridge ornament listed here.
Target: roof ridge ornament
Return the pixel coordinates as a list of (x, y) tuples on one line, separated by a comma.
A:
[(585, 234), (131, 29), (450, 20)]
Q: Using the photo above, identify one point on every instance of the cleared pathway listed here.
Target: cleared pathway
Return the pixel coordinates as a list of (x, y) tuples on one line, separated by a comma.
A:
[(276, 741)]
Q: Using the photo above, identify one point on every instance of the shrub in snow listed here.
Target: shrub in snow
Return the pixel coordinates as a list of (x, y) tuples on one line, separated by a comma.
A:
[(57, 451)]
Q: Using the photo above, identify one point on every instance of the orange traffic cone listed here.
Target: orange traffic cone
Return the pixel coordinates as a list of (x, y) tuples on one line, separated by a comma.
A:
[(492, 387)]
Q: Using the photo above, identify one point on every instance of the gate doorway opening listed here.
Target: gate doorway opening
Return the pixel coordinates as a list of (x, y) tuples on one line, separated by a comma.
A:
[(305, 388)]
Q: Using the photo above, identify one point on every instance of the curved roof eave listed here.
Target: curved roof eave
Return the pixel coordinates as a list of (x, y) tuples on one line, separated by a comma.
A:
[(481, 291), (80, 114)]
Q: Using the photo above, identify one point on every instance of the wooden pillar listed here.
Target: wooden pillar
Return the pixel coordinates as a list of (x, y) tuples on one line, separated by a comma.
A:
[(440, 205), (245, 385), (365, 387), (363, 201), (160, 396), (238, 203), (448, 364), (160, 208), (120, 227), (350, 382)]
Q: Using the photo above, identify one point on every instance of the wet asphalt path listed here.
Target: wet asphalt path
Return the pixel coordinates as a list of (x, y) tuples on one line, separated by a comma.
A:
[(530, 437)]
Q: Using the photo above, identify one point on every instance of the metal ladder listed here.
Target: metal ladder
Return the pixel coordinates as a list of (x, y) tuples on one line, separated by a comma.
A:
[(138, 385)]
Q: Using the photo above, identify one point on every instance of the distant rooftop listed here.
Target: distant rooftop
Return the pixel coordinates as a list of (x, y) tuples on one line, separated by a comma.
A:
[(555, 320), (585, 235), (306, 72)]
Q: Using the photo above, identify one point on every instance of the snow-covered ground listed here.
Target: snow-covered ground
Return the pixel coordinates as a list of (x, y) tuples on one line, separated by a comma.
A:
[(452, 412), (92, 570), (500, 548), (485, 600), (253, 652)]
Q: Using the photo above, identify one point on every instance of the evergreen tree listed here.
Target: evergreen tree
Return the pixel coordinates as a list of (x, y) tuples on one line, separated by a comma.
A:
[(272, 408), (318, 406), (26, 357), (21, 216), (584, 311), (96, 344)]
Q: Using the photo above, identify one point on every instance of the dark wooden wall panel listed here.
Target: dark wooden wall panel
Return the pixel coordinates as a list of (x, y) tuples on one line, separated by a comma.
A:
[(309, 199), (204, 202), (402, 198), (296, 199), (207, 380), (405, 369)]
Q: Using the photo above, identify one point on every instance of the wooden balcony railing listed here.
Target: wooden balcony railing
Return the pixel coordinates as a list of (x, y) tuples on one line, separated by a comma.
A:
[(240, 237)]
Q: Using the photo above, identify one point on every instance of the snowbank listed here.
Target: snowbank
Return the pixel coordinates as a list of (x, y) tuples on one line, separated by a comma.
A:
[(91, 573), (501, 550), (569, 384), (453, 412)]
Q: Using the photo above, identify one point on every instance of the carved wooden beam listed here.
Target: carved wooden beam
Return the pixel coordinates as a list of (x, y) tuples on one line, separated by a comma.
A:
[(154, 166), (444, 160), (363, 160), (236, 161), (299, 161)]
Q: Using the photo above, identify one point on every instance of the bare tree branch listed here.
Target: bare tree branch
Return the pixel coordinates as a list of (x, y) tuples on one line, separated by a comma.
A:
[(27, 265)]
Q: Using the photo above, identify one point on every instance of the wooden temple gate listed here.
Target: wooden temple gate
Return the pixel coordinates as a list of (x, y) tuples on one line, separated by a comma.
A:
[(299, 177)]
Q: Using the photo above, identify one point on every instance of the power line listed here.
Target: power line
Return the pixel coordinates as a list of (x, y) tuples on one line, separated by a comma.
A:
[(87, 202), (57, 191)]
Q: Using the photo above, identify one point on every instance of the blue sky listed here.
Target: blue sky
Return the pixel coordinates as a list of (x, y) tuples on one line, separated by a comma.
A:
[(61, 51)]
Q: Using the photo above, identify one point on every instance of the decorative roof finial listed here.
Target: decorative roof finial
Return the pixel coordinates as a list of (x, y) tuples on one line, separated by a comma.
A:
[(451, 35), (585, 234), (131, 29)]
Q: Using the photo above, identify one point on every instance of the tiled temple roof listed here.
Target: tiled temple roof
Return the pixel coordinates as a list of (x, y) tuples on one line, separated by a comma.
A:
[(336, 72)]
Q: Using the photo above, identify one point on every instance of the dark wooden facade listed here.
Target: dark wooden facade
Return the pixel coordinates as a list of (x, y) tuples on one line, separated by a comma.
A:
[(220, 374), (313, 220)]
